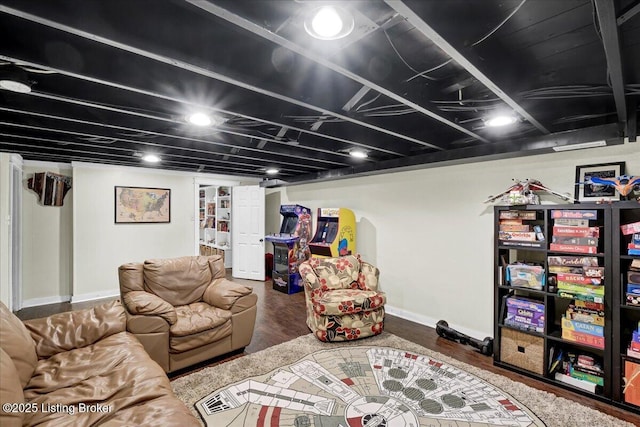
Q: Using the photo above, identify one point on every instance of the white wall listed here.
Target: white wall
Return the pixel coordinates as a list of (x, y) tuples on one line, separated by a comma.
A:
[(100, 245), (47, 244), (429, 232)]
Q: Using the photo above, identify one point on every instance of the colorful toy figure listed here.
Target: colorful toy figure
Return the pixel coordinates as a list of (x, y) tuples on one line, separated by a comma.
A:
[(522, 193), (624, 184)]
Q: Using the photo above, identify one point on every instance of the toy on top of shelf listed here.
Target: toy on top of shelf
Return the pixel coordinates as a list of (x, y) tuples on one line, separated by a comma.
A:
[(623, 184), (522, 193)]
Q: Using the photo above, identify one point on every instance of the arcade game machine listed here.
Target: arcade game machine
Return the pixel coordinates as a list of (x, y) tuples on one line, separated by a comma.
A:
[(335, 234), (290, 247)]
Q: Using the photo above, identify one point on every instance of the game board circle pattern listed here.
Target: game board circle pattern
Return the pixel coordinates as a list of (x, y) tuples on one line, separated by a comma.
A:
[(453, 401), (374, 419), (379, 386), (431, 406), (426, 384), (392, 385), (397, 373), (413, 393)]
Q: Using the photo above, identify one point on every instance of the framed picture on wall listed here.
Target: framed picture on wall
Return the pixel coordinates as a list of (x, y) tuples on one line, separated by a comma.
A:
[(142, 205), (594, 192)]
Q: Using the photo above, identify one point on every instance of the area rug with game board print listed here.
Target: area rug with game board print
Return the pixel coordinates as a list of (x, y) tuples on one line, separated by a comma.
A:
[(380, 381)]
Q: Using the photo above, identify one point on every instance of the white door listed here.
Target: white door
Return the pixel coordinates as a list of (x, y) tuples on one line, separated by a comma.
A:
[(248, 232)]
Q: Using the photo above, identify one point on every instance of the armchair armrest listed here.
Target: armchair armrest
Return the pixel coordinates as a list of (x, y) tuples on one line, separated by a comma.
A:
[(141, 324), (368, 276), (76, 329), (148, 304), (224, 294)]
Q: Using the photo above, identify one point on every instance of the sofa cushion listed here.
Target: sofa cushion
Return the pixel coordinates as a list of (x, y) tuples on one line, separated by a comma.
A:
[(115, 371), (347, 301), (221, 336), (16, 341), (198, 317), (179, 281), (163, 411), (74, 329), (10, 391)]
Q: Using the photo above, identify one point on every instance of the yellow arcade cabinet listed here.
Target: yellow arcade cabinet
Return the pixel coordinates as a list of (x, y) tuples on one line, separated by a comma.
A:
[(335, 233)]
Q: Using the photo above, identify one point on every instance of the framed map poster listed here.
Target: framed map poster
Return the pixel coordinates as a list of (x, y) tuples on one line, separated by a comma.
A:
[(142, 205)]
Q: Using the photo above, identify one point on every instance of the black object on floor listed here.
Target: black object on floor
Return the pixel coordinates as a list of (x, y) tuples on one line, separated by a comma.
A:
[(485, 346)]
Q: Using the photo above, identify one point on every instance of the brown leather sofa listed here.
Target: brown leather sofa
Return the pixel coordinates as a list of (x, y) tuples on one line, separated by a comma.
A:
[(184, 311), (82, 369)]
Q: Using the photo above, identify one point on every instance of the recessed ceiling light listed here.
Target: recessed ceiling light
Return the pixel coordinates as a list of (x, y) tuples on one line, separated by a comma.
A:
[(199, 119), (359, 154), (151, 158), (329, 23), (15, 86), (272, 171), (500, 121), (14, 79)]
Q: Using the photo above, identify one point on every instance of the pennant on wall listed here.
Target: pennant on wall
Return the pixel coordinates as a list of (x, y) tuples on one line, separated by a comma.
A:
[(50, 187)]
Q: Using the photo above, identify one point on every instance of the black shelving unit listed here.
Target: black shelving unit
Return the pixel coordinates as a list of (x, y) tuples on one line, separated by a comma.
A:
[(555, 305), (625, 317)]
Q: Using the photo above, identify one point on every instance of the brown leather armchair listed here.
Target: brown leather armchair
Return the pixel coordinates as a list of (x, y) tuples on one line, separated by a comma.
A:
[(184, 311)]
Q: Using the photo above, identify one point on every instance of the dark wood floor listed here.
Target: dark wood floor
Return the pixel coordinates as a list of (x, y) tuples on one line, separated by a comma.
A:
[(281, 317)]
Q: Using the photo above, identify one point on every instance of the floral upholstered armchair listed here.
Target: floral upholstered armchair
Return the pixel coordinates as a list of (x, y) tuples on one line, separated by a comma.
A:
[(342, 298)]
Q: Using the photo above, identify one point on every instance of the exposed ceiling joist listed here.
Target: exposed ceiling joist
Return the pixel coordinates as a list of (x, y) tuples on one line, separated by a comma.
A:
[(606, 11), (120, 78), (356, 98), (309, 54), (628, 14), (219, 165), (447, 48), (632, 123), (189, 103), (201, 71), (220, 129), (258, 156)]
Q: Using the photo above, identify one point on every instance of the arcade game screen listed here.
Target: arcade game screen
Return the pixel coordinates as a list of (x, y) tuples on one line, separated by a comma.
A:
[(329, 231), (289, 224)]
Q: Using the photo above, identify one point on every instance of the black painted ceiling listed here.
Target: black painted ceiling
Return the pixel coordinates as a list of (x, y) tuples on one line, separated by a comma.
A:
[(410, 86)]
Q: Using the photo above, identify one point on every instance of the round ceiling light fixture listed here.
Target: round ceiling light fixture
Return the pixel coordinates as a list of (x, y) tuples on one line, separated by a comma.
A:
[(272, 171), (199, 119), (329, 23), (14, 79), (151, 158), (358, 154), (498, 121)]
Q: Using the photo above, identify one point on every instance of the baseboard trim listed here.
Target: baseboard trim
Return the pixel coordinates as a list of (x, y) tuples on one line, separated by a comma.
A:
[(94, 296), (36, 302), (431, 322)]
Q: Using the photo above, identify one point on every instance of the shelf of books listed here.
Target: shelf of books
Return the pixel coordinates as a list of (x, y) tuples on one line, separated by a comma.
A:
[(626, 315), (215, 222), (553, 294)]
